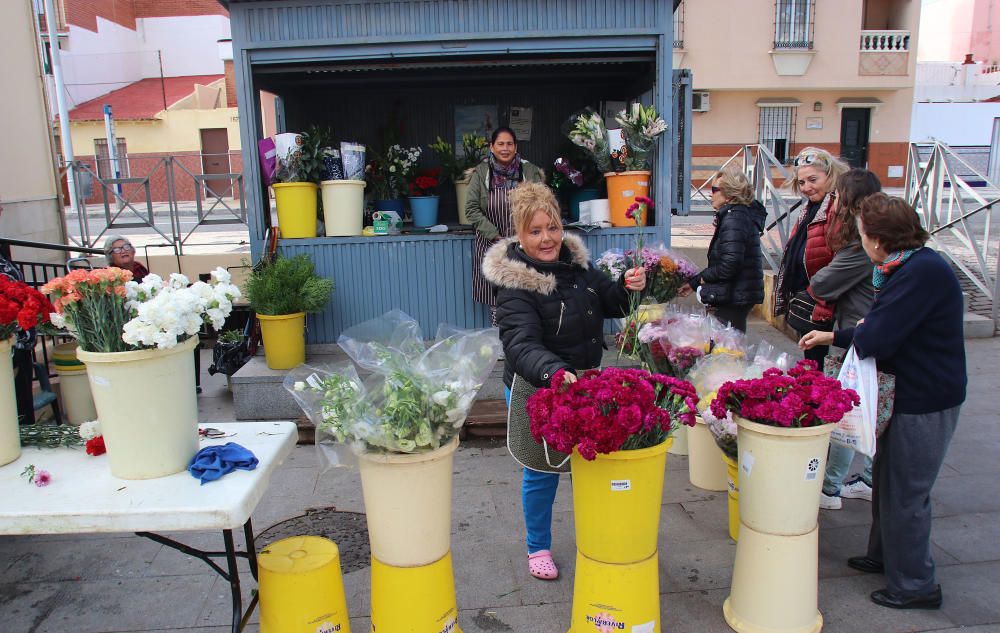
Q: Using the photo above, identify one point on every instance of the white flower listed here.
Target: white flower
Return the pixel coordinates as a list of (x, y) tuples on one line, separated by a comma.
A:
[(90, 430), (299, 386), (57, 319), (221, 275), (392, 169)]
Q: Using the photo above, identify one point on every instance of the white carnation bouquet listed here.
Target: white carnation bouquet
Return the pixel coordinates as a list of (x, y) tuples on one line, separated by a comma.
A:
[(168, 312), (416, 397)]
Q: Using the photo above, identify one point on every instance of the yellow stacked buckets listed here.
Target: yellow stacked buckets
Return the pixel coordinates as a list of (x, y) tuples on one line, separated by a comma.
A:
[(74, 387), (617, 500)]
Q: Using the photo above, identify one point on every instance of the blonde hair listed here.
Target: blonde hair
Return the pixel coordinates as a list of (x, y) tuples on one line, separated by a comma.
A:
[(822, 160), (528, 198), (735, 186)]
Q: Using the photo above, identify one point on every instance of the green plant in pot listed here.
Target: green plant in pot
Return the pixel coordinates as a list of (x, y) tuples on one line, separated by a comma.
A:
[(457, 166), (282, 292)]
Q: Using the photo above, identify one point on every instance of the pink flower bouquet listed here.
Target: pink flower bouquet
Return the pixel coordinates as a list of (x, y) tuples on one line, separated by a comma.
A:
[(610, 410), (802, 397)]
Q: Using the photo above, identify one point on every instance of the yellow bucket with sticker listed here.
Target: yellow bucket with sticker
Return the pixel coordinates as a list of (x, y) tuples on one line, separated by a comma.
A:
[(610, 597), (414, 599), (617, 500), (301, 587)]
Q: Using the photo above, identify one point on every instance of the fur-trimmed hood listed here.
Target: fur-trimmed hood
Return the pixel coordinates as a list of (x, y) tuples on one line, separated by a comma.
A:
[(501, 270)]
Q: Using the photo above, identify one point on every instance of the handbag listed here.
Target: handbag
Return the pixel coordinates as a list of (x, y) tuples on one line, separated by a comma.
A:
[(886, 391), (800, 311)]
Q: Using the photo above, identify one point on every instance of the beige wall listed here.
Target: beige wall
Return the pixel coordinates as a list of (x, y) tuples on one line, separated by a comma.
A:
[(728, 44), (734, 116), (27, 178), (174, 131)]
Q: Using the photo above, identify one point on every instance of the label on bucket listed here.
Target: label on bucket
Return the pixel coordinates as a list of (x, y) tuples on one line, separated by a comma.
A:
[(328, 627), (648, 627), (746, 464), (812, 469), (100, 381), (621, 484), (604, 621), (450, 625), (628, 193)]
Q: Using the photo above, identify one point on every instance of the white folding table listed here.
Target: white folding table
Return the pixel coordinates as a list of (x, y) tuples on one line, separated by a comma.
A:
[(84, 497)]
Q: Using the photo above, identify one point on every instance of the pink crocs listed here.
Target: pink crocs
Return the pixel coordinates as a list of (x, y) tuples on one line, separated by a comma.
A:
[(541, 565)]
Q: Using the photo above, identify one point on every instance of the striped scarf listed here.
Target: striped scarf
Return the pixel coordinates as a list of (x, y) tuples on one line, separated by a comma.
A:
[(892, 263)]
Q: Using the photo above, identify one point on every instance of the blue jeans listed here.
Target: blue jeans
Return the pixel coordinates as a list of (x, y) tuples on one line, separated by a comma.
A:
[(538, 493), (838, 464)]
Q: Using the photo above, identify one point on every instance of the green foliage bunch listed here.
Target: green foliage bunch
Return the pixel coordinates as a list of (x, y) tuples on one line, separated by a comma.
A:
[(287, 285), (474, 148)]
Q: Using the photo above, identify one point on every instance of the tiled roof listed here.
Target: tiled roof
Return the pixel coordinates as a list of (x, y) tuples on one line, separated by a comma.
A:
[(142, 99)]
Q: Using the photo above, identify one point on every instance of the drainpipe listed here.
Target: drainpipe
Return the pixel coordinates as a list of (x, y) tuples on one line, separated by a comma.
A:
[(969, 69), (52, 25)]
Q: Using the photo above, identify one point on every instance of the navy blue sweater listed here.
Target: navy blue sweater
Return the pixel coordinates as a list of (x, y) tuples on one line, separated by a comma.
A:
[(915, 331)]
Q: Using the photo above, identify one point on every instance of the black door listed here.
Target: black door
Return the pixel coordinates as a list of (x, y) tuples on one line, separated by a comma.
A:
[(854, 124)]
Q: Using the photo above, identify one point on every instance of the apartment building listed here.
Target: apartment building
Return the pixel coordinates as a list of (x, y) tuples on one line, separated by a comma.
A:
[(837, 74)]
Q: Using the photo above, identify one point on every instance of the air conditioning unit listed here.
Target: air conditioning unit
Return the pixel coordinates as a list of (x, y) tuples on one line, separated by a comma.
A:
[(699, 101)]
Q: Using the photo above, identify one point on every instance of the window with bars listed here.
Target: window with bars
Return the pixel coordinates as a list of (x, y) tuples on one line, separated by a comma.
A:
[(104, 169), (679, 26), (777, 130), (793, 23)]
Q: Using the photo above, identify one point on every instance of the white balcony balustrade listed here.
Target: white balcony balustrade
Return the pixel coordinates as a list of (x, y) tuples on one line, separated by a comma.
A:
[(885, 41)]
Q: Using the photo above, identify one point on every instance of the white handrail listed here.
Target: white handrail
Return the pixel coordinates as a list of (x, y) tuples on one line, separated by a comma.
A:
[(885, 41)]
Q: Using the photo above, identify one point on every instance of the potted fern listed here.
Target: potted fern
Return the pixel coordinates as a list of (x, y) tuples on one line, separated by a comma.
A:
[(281, 293)]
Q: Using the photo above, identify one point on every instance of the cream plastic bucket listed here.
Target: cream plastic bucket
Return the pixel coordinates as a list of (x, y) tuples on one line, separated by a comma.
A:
[(705, 466), (10, 432), (343, 206), (781, 474), (408, 505), (148, 408)]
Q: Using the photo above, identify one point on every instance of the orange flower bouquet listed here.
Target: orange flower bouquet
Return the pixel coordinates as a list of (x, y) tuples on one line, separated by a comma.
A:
[(92, 305)]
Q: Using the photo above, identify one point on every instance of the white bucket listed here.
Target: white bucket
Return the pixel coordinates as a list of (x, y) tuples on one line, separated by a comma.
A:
[(148, 408), (343, 206)]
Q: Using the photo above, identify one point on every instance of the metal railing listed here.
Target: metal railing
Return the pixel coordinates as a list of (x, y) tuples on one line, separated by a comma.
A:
[(885, 41), (958, 215), (761, 167), (154, 201)]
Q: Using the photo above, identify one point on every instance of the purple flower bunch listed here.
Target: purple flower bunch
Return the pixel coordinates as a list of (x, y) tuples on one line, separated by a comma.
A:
[(802, 397)]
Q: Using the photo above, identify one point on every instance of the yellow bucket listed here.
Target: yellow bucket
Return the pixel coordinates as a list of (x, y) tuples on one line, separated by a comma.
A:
[(610, 597), (296, 202), (617, 499), (733, 473), (301, 587), (284, 338), (414, 599), (623, 187)]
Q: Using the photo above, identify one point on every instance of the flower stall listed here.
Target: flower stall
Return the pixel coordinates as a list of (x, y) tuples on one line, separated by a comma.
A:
[(395, 77)]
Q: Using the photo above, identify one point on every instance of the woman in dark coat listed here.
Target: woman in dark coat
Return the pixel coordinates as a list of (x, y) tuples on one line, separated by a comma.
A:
[(914, 330), (551, 306), (733, 282)]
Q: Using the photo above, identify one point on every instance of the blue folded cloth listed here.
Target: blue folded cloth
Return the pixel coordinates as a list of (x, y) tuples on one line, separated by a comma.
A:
[(213, 462)]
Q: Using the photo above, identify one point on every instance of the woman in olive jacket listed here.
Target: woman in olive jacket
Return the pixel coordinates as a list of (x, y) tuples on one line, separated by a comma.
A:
[(487, 204), (551, 306)]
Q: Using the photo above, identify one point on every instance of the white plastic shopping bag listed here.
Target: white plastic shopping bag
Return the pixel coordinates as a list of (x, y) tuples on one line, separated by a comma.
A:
[(857, 429)]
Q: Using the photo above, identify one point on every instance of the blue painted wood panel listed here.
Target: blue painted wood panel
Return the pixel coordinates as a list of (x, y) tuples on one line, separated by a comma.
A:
[(429, 277)]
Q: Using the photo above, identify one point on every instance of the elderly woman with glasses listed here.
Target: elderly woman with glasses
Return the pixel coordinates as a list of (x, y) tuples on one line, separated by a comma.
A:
[(120, 253), (807, 251), (733, 282)]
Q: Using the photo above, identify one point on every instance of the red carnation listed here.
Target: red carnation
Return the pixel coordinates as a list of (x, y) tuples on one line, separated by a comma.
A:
[(95, 446)]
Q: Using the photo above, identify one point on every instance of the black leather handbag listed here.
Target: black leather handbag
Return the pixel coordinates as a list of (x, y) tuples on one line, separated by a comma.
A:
[(799, 317)]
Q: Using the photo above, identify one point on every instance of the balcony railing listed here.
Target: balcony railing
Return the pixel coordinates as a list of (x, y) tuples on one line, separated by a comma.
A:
[(885, 41)]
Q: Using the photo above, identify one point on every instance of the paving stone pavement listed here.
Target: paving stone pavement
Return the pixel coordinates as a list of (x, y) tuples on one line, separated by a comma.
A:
[(124, 583)]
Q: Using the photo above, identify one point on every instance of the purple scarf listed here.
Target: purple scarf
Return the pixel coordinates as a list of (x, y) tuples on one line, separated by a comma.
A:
[(505, 176)]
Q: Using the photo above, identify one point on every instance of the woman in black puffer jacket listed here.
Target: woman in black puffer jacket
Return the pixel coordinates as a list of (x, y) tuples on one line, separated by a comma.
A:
[(733, 281), (551, 306)]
